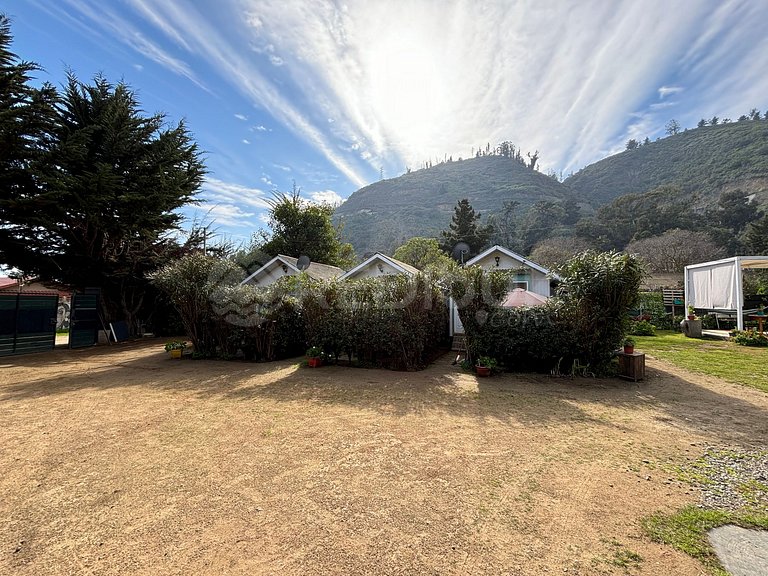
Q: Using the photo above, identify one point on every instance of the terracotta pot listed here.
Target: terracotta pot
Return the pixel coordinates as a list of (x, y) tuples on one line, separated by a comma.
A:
[(315, 362), (691, 317), (483, 370), (629, 349)]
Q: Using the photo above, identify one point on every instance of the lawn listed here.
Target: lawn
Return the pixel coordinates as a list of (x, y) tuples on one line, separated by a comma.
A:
[(721, 358), (119, 460)]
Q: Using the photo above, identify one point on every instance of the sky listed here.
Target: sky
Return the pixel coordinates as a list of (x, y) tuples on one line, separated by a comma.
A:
[(334, 95)]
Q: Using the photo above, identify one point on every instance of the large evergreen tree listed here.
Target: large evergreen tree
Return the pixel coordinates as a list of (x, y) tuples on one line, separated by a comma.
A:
[(26, 116), (465, 226), (90, 191)]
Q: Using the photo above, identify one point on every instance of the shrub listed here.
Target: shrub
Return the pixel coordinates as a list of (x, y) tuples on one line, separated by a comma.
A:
[(223, 318), (748, 338), (642, 328), (650, 307)]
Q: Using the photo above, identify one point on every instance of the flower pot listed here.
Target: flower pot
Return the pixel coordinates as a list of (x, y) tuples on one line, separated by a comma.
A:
[(315, 362), (629, 349), (176, 353), (482, 370), (691, 316)]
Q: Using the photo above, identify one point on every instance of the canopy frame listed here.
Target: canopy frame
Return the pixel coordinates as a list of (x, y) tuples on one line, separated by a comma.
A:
[(717, 286)]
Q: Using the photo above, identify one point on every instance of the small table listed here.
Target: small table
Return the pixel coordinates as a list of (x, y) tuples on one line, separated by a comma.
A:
[(759, 318), (632, 366)]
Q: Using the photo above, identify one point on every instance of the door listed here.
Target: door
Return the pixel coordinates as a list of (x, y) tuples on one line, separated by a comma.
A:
[(84, 319)]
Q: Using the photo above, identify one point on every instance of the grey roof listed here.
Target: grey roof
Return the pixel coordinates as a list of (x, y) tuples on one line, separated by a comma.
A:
[(316, 270)]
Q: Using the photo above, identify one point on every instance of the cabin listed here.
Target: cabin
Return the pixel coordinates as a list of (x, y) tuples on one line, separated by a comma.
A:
[(527, 275), (281, 266), (379, 265)]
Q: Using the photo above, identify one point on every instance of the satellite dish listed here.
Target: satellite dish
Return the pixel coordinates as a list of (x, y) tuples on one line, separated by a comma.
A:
[(460, 251), (303, 262)]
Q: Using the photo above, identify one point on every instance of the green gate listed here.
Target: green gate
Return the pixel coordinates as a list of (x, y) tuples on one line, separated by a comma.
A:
[(27, 323), (84, 318)]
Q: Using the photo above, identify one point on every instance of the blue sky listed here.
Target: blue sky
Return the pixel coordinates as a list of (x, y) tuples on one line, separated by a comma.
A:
[(331, 94)]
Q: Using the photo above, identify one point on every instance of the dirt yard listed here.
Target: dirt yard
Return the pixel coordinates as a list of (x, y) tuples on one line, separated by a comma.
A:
[(121, 461)]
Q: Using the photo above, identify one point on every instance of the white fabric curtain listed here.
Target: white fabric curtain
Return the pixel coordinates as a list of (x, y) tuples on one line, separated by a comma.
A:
[(714, 287)]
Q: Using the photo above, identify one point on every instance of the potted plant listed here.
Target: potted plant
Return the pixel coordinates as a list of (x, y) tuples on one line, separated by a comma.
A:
[(315, 357), (629, 346), (485, 365), (691, 312), (175, 348)]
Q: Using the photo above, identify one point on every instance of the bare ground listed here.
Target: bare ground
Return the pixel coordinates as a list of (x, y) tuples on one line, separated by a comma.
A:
[(121, 461)]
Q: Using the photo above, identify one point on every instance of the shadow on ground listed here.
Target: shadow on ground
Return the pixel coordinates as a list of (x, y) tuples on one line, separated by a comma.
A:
[(679, 401)]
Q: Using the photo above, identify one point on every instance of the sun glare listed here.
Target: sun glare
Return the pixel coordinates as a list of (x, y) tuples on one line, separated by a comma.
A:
[(408, 90)]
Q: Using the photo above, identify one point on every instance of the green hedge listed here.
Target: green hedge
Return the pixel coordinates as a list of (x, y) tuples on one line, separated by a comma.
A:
[(391, 321), (585, 323)]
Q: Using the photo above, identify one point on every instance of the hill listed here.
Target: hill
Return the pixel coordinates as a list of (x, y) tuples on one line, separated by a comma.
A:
[(707, 160), (382, 215), (703, 162)]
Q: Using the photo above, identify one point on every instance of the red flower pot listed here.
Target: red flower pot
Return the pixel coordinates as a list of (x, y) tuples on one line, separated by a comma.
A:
[(482, 370), (629, 349), (315, 362)]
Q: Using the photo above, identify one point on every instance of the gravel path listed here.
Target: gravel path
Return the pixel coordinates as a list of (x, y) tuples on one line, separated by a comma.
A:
[(731, 479)]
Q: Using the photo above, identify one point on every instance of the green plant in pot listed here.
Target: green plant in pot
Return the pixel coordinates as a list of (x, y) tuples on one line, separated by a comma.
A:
[(629, 345), (691, 312), (315, 357), (175, 348), (485, 365)]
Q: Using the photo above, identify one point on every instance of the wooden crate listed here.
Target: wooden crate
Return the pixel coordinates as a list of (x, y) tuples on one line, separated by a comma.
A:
[(632, 366)]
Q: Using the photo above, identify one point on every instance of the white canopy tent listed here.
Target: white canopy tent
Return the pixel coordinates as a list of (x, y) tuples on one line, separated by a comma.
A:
[(717, 286)]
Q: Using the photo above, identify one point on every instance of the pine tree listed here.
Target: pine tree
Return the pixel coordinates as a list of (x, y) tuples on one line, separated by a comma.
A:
[(465, 227)]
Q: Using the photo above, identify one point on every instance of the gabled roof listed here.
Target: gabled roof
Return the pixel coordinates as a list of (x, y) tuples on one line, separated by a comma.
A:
[(509, 253), (315, 270), (401, 267)]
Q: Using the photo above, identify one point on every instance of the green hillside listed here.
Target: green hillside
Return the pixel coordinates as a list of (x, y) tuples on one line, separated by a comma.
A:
[(705, 160), (382, 215)]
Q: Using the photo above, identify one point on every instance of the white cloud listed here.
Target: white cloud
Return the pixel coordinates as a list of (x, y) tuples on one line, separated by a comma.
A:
[(218, 192), (246, 141), (281, 167), (229, 215), (138, 67), (101, 15), (261, 128), (276, 60), (665, 91), (326, 197), (242, 117)]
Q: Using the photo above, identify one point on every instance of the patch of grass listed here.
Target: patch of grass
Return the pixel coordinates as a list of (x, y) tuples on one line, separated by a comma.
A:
[(620, 555), (687, 530), (726, 360)]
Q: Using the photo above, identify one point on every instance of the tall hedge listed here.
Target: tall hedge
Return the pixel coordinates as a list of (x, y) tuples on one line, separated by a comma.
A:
[(223, 318), (392, 321)]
